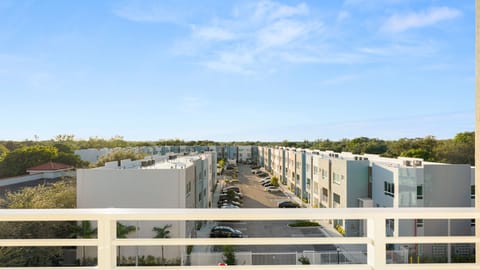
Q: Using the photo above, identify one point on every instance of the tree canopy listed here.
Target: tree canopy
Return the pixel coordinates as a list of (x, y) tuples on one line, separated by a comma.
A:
[(119, 154), (59, 195), (19, 160)]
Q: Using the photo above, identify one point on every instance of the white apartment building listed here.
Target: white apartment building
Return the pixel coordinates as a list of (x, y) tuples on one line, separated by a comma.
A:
[(244, 153), (339, 180), (155, 182)]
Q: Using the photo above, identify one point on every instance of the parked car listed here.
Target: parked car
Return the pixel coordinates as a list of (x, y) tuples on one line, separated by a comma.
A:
[(266, 178), (229, 206), (223, 197), (262, 174), (255, 167), (265, 181), (234, 188), (239, 194), (288, 204), (272, 189), (225, 231), (268, 185), (223, 202)]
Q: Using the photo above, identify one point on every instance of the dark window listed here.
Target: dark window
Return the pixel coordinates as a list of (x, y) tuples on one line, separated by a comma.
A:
[(336, 198), (420, 192)]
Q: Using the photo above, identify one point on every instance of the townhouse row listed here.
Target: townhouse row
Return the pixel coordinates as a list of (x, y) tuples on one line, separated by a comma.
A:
[(327, 179), (233, 153), (157, 181)]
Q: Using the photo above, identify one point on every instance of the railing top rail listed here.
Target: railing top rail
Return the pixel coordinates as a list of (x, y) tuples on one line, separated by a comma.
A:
[(235, 214)]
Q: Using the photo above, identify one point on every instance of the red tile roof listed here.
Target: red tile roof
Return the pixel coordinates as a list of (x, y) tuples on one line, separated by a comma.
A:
[(50, 166)]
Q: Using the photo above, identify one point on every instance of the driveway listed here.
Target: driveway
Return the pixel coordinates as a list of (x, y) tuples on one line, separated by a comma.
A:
[(256, 197)]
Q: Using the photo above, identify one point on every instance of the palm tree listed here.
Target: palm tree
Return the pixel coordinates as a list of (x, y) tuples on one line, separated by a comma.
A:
[(162, 232), (122, 232), (83, 230)]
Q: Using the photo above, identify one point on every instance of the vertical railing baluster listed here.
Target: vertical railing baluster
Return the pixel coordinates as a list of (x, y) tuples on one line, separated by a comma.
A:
[(376, 247), (107, 254)]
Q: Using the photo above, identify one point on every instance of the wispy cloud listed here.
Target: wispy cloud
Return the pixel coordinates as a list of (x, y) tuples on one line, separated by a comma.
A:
[(343, 15), (213, 33), (149, 11), (283, 32), (270, 10), (256, 37), (403, 22)]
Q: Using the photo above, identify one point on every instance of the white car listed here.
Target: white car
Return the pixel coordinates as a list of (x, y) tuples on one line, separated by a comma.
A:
[(272, 189), (265, 181), (229, 206), (266, 178)]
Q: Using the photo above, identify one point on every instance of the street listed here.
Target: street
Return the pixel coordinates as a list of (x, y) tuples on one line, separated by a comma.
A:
[(256, 197)]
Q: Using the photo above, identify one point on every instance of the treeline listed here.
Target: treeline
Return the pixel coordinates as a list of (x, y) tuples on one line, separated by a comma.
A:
[(16, 156), (459, 150)]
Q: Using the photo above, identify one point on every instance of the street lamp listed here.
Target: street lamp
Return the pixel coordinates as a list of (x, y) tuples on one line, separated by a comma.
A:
[(338, 255)]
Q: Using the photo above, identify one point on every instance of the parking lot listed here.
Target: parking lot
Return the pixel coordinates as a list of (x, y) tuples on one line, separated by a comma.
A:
[(256, 197)]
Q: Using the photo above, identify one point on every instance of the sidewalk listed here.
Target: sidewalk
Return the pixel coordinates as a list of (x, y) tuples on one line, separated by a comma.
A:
[(354, 253)]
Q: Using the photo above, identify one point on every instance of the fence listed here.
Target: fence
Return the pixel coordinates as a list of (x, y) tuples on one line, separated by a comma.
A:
[(376, 239)]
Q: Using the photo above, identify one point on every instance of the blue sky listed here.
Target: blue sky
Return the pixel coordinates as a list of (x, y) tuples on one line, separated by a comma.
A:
[(237, 70)]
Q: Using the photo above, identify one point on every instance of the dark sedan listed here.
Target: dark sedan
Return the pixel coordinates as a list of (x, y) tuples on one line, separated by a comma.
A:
[(225, 231), (288, 204)]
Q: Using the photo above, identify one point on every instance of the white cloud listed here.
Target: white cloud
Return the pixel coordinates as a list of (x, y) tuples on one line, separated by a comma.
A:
[(343, 15), (270, 10), (212, 33), (282, 32), (399, 23), (148, 12), (255, 37), (233, 61)]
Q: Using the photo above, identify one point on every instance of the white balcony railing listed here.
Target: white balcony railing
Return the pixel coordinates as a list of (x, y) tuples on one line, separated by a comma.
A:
[(376, 240)]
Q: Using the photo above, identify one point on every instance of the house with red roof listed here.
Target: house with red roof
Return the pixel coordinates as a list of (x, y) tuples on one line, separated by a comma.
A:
[(49, 167)]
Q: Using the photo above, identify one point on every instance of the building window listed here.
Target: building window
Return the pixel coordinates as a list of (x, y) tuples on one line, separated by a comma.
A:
[(472, 192), (336, 198), (419, 223), (189, 187), (315, 170), (336, 178), (388, 188), (420, 192)]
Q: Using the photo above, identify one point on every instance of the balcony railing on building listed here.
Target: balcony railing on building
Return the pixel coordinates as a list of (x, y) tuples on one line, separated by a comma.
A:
[(381, 251)]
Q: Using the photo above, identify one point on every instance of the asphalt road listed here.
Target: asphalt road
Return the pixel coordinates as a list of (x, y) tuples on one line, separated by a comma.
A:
[(256, 197)]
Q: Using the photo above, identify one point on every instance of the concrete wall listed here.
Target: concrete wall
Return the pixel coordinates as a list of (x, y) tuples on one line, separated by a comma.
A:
[(447, 185)]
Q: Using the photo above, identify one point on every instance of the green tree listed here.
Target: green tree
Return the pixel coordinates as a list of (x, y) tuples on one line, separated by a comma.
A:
[(122, 232), (71, 159), (83, 230), (16, 162), (459, 150), (162, 232), (229, 255), (3, 152), (417, 153), (59, 195), (274, 181), (119, 155)]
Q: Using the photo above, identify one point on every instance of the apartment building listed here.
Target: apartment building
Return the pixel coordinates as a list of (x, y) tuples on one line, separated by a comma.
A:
[(290, 168), (168, 181), (339, 180), (408, 182)]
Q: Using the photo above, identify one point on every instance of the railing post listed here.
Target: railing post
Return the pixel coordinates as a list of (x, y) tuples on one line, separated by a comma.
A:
[(376, 247), (106, 252)]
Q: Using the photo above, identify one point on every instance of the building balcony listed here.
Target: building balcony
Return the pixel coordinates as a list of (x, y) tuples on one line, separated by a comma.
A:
[(376, 256)]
